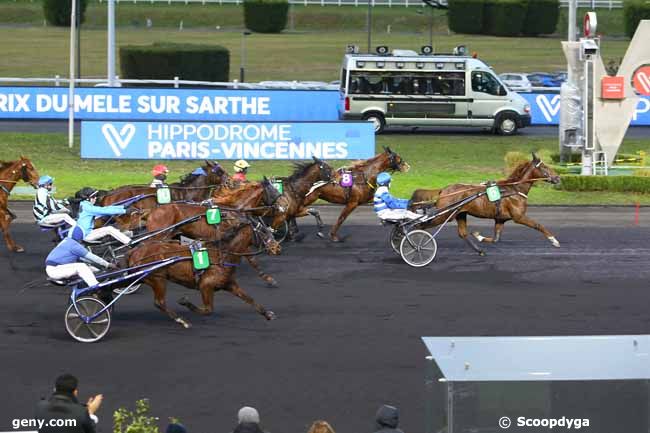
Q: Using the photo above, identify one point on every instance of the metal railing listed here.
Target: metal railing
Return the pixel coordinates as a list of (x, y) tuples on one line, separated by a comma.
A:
[(592, 4)]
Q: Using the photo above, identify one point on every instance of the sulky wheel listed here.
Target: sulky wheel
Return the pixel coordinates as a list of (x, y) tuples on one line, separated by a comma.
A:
[(279, 234), (87, 332), (418, 248), (396, 236)]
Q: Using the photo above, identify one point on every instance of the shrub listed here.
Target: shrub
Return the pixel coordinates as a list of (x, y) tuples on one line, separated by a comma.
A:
[(164, 61), (466, 16), (541, 17), (633, 12), (57, 12), (504, 17), (266, 16), (638, 184), (139, 421)]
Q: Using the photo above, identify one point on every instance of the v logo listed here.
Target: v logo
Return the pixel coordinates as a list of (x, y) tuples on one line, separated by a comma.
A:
[(548, 108), (644, 81), (118, 140)]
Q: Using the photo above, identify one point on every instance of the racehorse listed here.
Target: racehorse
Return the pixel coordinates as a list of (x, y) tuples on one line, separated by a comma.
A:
[(296, 187), (364, 179), (249, 195), (512, 205), (11, 172), (191, 188), (164, 216), (224, 255)]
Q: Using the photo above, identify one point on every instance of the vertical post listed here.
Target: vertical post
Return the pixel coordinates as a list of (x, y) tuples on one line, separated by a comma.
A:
[(110, 57), (78, 14), (450, 407), (573, 6), (73, 39), (242, 63), (369, 25), (431, 26)]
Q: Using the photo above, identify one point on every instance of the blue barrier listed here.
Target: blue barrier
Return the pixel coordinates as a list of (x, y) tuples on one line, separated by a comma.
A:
[(181, 140), (545, 109), (98, 103)]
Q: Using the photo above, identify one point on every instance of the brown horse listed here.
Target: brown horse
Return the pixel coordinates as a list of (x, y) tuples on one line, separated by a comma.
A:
[(364, 174), (296, 188), (512, 206), (224, 258), (260, 196), (11, 172), (167, 215), (191, 188)]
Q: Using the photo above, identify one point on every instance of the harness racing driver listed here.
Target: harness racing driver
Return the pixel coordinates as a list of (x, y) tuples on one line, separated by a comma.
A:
[(388, 207)]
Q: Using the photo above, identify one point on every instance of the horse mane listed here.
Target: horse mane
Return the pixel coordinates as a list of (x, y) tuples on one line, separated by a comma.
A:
[(519, 171), (188, 179), (5, 164), (300, 169)]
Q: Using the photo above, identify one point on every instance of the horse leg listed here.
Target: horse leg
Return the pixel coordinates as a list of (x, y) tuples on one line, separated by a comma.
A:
[(528, 222), (461, 220), (236, 290), (5, 220), (206, 288), (159, 291), (347, 210), (319, 221), (293, 234), (498, 227), (269, 280)]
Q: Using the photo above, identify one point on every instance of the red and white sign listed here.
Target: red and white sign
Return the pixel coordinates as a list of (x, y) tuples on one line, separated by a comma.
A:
[(613, 87), (590, 24), (641, 80)]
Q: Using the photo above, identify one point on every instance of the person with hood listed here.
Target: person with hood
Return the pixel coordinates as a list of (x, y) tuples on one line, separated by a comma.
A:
[(63, 405), (248, 421), (387, 420)]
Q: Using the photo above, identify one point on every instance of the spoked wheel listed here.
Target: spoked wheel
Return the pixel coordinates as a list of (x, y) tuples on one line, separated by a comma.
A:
[(396, 236), (279, 234), (418, 248), (87, 332)]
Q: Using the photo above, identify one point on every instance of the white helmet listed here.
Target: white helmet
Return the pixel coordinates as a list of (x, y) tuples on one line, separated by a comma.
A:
[(241, 165)]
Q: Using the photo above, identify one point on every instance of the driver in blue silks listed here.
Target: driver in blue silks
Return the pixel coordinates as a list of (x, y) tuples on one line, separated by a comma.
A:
[(86, 220), (388, 207)]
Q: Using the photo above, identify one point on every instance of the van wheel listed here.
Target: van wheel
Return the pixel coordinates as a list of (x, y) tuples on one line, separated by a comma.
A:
[(377, 120), (506, 124)]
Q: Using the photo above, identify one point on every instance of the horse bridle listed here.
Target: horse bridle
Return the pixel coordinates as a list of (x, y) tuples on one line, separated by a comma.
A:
[(547, 176), (392, 160)]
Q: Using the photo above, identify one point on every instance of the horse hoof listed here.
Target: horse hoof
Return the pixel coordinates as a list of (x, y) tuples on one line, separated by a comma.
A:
[(183, 322), (321, 235), (270, 315), (478, 236), (482, 253), (335, 239), (298, 237), (272, 283), (184, 302), (18, 249), (554, 241)]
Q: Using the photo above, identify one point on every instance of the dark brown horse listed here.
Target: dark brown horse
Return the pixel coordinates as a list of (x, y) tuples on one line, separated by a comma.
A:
[(224, 258), (296, 188), (191, 188), (364, 175), (12, 172), (167, 215), (512, 206)]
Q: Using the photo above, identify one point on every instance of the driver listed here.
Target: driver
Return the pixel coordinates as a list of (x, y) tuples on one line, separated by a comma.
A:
[(63, 262), (388, 207), (241, 168), (47, 210), (86, 221), (159, 173)]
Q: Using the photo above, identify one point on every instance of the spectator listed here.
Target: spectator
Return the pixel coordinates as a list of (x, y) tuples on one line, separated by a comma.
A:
[(63, 405), (387, 420), (176, 428), (249, 421), (321, 426)]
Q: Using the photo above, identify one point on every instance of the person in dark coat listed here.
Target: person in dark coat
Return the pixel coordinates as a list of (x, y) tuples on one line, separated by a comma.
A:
[(63, 405), (248, 421), (387, 420)]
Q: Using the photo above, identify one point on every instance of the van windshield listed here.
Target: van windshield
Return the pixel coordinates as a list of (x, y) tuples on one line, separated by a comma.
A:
[(407, 83), (485, 82)]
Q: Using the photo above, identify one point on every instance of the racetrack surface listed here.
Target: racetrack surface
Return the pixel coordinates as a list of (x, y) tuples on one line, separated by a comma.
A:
[(350, 318)]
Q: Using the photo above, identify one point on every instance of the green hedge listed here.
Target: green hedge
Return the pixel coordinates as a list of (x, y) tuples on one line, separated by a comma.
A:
[(541, 17), (266, 16), (466, 16), (57, 12), (638, 184), (504, 17), (164, 61), (633, 12)]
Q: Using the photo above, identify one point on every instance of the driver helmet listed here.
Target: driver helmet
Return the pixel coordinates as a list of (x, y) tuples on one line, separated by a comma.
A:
[(87, 193), (241, 165), (45, 180), (159, 170), (383, 179)]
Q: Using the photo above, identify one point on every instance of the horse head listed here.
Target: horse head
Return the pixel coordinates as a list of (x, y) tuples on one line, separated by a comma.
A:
[(325, 171), (216, 173), (265, 235), (271, 194), (395, 162), (28, 172), (541, 170)]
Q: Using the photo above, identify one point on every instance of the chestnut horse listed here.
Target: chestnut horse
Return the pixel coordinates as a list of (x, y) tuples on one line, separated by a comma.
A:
[(225, 256), (296, 187), (364, 174), (164, 216), (512, 206), (11, 172), (259, 196)]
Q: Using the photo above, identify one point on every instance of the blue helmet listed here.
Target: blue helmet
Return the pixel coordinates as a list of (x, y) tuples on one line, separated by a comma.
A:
[(383, 178), (199, 172), (45, 180)]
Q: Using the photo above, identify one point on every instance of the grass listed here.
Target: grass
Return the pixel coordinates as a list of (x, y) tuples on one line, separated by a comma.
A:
[(43, 51), (435, 161)]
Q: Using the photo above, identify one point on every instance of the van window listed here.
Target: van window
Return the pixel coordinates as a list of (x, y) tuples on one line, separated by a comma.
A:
[(343, 79), (485, 82), (407, 83)]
